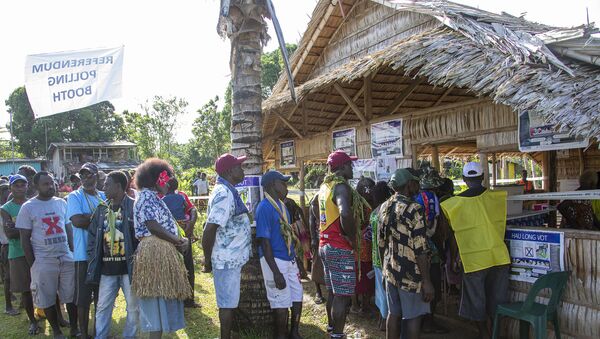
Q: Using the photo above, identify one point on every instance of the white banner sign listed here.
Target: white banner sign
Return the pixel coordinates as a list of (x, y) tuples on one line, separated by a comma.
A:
[(64, 81)]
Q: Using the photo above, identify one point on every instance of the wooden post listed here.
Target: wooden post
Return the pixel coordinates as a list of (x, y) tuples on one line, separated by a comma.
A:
[(545, 171), (415, 155), (494, 170), (553, 179), (435, 158), (368, 101), (483, 160), (581, 161), (302, 194)]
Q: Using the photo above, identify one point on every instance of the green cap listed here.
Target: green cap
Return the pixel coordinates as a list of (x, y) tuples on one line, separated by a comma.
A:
[(401, 177)]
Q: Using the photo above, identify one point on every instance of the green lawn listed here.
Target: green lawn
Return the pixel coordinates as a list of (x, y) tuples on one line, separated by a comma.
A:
[(204, 322)]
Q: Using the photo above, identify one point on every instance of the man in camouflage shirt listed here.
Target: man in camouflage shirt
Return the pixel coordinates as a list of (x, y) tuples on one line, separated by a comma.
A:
[(402, 242)]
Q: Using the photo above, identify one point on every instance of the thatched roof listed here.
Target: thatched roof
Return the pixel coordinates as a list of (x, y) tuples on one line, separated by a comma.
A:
[(524, 65)]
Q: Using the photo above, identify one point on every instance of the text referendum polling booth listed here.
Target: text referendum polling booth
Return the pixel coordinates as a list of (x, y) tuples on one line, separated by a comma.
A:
[(64, 81)]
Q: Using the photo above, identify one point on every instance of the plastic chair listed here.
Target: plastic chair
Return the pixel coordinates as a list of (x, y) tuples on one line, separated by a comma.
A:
[(531, 312)]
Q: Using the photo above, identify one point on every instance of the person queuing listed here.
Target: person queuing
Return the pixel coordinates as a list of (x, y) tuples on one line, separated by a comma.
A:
[(81, 205), (528, 185), (341, 208), (381, 193), (186, 215), (365, 281), (200, 185), (299, 227), (28, 172), (4, 249), (277, 252), (477, 218), (317, 274), (402, 243), (579, 214), (75, 181), (20, 274), (428, 199), (226, 238), (159, 277), (43, 228), (111, 247)]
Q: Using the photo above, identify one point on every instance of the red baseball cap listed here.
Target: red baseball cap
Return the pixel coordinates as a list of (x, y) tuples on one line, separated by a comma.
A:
[(227, 162), (337, 159)]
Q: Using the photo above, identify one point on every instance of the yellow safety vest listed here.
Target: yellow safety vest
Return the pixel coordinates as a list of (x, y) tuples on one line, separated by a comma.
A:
[(479, 224)]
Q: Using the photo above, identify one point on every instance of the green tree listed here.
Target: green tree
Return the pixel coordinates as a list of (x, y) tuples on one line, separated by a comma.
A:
[(139, 130), (272, 65), (98, 122), (211, 133), (164, 113)]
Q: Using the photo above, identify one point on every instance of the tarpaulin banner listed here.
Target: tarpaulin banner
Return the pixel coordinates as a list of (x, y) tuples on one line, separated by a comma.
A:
[(386, 138), (64, 81)]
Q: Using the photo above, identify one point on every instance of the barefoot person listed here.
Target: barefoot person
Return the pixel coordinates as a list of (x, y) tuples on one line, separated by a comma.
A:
[(226, 238), (159, 277), (19, 268), (341, 209), (277, 252), (43, 232)]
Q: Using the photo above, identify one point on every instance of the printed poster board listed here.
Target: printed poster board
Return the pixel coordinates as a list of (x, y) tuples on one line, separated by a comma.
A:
[(386, 139), (534, 253), (251, 192), (386, 166), (536, 135), (345, 140), (287, 154)]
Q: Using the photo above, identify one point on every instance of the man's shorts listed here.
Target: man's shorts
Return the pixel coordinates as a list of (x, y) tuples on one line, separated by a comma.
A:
[(50, 276), (482, 291), (292, 293), (84, 293), (227, 286), (409, 305), (20, 275), (340, 273)]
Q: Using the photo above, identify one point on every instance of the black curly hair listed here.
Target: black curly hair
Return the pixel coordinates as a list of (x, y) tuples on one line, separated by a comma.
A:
[(147, 173)]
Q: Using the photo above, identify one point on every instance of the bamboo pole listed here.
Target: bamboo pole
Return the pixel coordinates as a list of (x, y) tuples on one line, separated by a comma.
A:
[(402, 96), (288, 124), (545, 170), (356, 96), (494, 170), (483, 160), (368, 97), (581, 161), (435, 158), (414, 155)]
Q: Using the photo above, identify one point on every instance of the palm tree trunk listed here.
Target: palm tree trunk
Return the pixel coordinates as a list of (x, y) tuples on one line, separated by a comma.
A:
[(249, 32)]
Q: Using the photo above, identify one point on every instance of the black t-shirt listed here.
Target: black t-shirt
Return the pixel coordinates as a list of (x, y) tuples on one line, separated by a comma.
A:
[(473, 192), (114, 262)]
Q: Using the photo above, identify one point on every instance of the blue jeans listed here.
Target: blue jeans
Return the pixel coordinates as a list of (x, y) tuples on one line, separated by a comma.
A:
[(108, 290)]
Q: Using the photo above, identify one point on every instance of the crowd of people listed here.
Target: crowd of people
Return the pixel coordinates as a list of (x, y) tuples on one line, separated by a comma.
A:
[(387, 241)]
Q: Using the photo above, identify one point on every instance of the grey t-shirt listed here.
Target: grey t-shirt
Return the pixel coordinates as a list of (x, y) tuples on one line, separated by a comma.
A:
[(46, 220)]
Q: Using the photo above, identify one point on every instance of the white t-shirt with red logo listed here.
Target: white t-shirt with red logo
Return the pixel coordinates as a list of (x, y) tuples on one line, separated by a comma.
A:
[(46, 220)]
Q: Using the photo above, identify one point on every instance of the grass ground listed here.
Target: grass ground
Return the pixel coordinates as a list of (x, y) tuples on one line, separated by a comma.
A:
[(204, 322)]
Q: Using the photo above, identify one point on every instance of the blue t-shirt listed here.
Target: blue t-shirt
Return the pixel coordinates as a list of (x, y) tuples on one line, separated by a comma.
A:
[(269, 227), (79, 202), (176, 204)]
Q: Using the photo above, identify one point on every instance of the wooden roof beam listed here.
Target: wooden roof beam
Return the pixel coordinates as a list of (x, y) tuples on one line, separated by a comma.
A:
[(288, 124), (350, 102), (368, 98), (402, 96), (289, 116), (356, 96), (444, 95)]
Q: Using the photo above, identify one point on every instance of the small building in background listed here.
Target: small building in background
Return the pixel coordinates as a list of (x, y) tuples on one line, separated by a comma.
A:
[(66, 158), (7, 168)]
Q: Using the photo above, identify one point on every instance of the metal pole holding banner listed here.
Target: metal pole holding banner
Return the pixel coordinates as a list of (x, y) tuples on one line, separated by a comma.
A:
[(12, 143)]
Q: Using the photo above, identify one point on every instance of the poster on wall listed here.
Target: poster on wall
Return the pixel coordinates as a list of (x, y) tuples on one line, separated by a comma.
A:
[(363, 168), (534, 253), (386, 138), (536, 135), (251, 192), (386, 166), (288, 154), (345, 140)]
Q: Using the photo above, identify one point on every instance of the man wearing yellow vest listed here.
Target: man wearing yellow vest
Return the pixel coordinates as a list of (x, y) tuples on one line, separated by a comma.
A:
[(340, 209), (478, 220)]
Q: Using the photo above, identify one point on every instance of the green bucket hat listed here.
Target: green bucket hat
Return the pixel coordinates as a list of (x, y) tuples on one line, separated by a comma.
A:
[(431, 179), (401, 177)]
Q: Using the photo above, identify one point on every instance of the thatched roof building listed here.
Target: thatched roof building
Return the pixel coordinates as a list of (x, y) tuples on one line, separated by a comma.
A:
[(428, 62)]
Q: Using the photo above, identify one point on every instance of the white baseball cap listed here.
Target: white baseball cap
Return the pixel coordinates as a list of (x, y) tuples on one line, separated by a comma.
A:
[(472, 169)]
